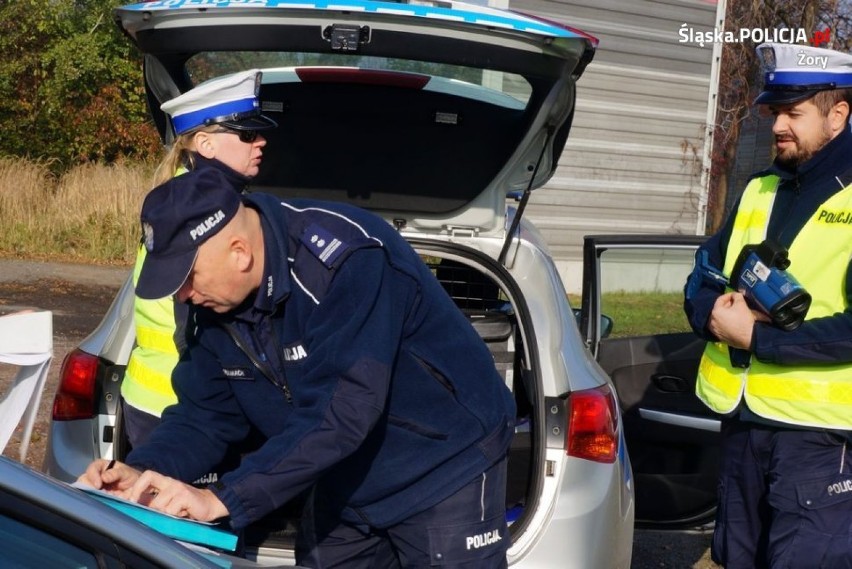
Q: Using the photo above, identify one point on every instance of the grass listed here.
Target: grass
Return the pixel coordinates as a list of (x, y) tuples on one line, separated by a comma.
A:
[(642, 313), (89, 215)]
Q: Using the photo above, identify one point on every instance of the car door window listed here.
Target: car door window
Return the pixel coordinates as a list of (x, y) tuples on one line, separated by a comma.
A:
[(26, 546), (642, 290)]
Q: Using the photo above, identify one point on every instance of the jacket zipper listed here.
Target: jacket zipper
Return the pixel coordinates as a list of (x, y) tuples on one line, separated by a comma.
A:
[(263, 367)]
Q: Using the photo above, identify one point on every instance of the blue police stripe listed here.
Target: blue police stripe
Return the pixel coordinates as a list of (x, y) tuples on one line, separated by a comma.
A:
[(806, 78), (194, 119), (625, 464), (506, 20)]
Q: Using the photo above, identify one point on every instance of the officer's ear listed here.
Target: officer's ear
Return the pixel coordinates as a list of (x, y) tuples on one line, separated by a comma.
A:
[(241, 253), (204, 144), (838, 116)]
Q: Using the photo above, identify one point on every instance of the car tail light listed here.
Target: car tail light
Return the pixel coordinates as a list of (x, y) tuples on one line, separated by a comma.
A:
[(593, 425), (75, 397)]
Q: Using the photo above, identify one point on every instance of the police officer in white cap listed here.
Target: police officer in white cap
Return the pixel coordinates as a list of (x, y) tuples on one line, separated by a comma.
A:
[(227, 105), (218, 125), (785, 396)]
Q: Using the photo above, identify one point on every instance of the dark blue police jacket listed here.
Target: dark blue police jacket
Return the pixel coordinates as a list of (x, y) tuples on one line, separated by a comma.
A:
[(354, 365)]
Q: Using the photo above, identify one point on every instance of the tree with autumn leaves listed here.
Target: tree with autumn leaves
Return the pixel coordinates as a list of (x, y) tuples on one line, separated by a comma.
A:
[(740, 79), (70, 85)]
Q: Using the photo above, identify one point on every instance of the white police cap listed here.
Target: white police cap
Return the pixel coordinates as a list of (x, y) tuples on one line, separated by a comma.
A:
[(230, 100), (793, 73)]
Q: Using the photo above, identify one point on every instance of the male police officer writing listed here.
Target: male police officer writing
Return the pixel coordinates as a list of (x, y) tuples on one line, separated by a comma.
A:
[(319, 326), (784, 498)]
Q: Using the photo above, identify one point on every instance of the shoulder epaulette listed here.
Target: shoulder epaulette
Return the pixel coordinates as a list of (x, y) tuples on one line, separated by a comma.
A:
[(323, 244)]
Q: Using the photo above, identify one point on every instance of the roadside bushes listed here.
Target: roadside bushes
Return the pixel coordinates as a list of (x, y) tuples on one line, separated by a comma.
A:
[(71, 87)]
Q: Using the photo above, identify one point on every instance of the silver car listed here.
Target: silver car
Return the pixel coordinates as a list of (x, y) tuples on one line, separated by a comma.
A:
[(429, 113)]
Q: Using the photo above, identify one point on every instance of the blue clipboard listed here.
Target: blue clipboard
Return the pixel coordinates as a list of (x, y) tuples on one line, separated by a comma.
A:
[(202, 533)]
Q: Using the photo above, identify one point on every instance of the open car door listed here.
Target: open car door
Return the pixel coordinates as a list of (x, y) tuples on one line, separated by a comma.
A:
[(632, 319)]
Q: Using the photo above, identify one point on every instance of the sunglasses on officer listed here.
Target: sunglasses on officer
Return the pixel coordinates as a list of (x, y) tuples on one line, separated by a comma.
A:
[(247, 136)]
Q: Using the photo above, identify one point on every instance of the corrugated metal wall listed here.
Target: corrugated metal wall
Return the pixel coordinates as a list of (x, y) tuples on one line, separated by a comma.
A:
[(754, 153), (633, 162)]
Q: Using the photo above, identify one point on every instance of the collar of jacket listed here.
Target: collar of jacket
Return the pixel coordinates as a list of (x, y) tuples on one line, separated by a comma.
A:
[(275, 285), (238, 179), (833, 158)]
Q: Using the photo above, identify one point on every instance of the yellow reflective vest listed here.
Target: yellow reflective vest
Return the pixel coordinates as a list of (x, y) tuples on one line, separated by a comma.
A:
[(147, 384), (808, 395)]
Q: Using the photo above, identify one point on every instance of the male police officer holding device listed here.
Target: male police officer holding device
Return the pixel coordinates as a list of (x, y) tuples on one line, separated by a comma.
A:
[(785, 491), (317, 325)]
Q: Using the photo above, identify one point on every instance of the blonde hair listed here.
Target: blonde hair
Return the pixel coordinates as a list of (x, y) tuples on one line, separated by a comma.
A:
[(181, 154)]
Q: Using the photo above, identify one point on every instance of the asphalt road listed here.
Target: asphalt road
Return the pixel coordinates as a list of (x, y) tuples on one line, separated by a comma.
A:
[(79, 295)]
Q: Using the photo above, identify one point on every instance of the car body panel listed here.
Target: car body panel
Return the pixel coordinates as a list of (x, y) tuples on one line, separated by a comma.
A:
[(672, 437), (453, 15), (570, 494)]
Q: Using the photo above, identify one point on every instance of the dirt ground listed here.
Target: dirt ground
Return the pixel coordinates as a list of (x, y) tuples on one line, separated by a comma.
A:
[(79, 295)]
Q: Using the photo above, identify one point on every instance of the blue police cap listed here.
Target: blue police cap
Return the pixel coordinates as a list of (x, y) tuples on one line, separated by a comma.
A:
[(230, 100), (177, 218), (793, 73)]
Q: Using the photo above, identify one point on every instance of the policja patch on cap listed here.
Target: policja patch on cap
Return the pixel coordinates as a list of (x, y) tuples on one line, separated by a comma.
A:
[(793, 73), (177, 218), (229, 100)]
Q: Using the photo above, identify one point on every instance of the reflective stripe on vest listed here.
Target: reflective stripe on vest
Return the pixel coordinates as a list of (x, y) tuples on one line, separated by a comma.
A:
[(811, 395), (160, 340), (147, 389), (147, 383)]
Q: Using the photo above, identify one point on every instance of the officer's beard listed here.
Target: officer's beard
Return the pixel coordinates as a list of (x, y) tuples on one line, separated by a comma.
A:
[(792, 157)]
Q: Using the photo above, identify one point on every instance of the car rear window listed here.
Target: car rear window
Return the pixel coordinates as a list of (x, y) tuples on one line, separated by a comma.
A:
[(496, 87)]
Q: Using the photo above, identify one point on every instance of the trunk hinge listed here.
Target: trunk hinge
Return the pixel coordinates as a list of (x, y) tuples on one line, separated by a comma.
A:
[(525, 197), (555, 423)]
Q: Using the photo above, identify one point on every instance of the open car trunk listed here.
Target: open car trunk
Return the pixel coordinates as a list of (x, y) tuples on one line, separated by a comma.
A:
[(430, 111), (376, 141)]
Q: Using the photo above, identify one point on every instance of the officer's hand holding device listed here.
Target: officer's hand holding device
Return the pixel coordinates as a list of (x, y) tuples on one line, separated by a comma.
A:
[(760, 274)]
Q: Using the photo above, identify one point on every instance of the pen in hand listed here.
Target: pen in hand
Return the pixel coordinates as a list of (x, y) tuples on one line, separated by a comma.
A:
[(110, 465)]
